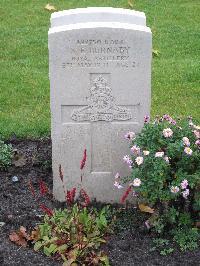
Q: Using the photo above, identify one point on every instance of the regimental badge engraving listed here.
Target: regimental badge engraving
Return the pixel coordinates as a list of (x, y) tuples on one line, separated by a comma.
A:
[(102, 105)]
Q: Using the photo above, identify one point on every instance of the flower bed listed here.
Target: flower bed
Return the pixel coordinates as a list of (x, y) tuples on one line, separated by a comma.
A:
[(165, 177), (131, 242)]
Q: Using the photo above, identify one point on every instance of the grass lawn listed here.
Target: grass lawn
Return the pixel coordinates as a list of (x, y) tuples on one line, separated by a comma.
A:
[(24, 90)]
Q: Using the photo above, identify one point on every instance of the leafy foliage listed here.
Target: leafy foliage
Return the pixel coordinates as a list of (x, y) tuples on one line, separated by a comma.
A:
[(5, 155), (75, 235), (187, 238), (24, 238), (163, 246), (165, 175)]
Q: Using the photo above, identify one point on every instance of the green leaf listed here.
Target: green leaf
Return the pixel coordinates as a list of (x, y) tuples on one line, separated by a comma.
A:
[(105, 260), (50, 250), (38, 245), (62, 248)]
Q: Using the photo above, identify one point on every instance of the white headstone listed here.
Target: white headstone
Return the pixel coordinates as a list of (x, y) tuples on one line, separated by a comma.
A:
[(100, 78)]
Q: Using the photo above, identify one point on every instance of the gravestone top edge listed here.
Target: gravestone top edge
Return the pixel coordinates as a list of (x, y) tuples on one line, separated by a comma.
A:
[(93, 25), (98, 9), (97, 14)]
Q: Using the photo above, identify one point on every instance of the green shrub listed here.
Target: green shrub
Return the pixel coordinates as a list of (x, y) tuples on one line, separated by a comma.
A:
[(165, 174), (5, 155)]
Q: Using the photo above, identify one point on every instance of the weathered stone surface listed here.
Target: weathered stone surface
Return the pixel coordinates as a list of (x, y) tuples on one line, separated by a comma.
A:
[(97, 14), (100, 75)]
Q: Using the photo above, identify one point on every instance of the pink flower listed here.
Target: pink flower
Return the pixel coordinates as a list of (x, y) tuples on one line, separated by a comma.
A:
[(136, 182), (146, 119), (139, 160), (197, 133), (174, 189), (188, 151), (117, 184), (127, 160), (197, 142), (135, 150), (169, 119), (173, 122), (117, 176), (167, 132), (185, 193), (186, 141), (166, 117), (159, 154), (146, 153), (130, 135), (184, 184)]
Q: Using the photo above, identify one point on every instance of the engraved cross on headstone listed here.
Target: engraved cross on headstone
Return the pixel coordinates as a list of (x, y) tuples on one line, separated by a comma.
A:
[(101, 109)]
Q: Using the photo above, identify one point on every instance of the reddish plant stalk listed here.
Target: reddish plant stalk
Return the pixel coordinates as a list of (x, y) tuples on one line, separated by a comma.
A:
[(85, 197), (125, 195), (83, 161), (48, 211), (43, 188), (73, 194), (70, 196), (67, 195)]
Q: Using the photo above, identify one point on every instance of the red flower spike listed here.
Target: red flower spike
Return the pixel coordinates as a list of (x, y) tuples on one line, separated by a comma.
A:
[(43, 188), (83, 161), (48, 211), (68, 197), (125, 195), (73, 194), (32, 190), (60, 173), (85, 197)]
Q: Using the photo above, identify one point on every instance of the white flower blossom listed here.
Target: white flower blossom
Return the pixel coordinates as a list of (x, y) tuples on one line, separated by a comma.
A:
[(117, 184), (136, 182), (146, 153), (167, 132), (159, 154), (139, 160), (196, 127), (174, 189), (188, 151), (166, 158)]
